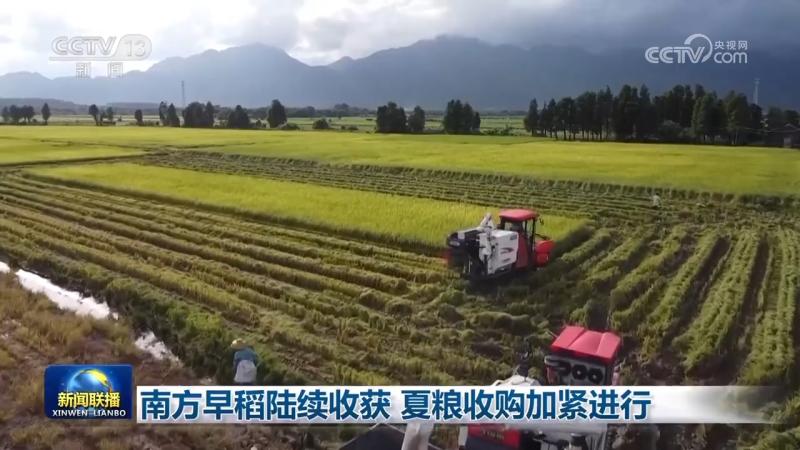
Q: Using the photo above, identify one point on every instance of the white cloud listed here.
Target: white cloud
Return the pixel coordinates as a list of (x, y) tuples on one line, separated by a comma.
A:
[(321, 31)]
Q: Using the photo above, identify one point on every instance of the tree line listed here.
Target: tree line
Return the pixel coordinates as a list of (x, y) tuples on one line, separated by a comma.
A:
[(458, 118), (339, 110), (390, 118), (681, 114), (24, 114), (102, 116), (198, 115)]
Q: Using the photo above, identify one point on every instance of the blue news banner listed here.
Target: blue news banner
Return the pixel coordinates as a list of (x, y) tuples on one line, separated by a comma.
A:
[(105, 391), (444, 404), (391, 404)]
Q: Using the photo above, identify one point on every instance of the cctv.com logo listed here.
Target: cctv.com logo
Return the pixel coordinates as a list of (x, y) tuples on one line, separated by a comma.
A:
[(698, 48)]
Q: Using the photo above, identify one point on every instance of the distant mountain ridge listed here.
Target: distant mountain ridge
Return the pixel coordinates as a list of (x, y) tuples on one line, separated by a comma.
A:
[(428, 73)]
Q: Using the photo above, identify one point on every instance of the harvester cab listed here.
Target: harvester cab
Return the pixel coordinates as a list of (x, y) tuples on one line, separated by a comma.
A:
[(487, 251)]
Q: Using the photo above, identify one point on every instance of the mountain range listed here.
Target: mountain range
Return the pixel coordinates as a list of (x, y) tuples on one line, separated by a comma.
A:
[(426, 73)]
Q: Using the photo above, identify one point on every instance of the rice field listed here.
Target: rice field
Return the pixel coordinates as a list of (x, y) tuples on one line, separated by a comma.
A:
[(766, 171), (402, 218), (323, 250), (15, 151)]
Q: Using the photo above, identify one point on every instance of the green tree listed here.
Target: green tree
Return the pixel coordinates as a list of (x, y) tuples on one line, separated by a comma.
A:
[(460, 118), (109, 114), (208, 114), (699, 92), (45, 113), (15, 114), (321, 124), (390, 119), (565, 116), (28, 113), (6, 114), (625, 112), (738, 112), (382, 121), (94, 111), (775, 118), (465, 121), (139, 117), (560, 117), (162, 113), (238, 118), (670, 106), (452, 116), (669, 131), (646, 117), (548, 116), (476, 122), (687, 105), (531, 120), (597, 120), (172, 116), (703, 116), (341, 109), (570, 116), (585, 109), (756, 123), (792, 117), (306, 111), (194, 116), (605, 110), (719, 119), (416, 120), (277, 114)]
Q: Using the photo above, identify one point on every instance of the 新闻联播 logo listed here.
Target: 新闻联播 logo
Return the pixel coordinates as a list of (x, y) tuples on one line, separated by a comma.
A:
[(78, 391)]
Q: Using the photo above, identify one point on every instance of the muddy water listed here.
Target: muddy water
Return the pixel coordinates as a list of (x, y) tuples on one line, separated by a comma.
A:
[(151, 344), (85, 306)]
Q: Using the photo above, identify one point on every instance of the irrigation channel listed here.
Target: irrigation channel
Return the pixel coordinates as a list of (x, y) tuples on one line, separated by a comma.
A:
[(85, 306)]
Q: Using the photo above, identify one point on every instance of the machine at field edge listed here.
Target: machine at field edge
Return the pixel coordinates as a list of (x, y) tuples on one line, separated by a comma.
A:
[(577, 356)]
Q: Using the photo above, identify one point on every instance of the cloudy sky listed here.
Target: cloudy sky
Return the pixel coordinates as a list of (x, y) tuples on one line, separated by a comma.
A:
[(321, 31)]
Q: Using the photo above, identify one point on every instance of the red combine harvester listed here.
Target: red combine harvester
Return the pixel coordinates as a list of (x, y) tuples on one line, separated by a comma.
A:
[(487, 251), (577, 357)]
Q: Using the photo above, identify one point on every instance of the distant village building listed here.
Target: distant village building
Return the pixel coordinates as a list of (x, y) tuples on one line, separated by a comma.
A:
[(787, 136)]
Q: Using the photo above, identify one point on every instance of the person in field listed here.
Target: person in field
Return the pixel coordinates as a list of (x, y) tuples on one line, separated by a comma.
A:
[(655, 201), (245, 363)]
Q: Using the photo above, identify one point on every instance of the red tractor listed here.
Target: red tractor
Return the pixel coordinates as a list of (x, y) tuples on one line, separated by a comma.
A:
[(487, 251)]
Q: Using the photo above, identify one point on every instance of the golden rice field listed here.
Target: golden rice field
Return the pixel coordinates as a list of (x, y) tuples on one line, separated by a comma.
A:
[(324, 250)]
